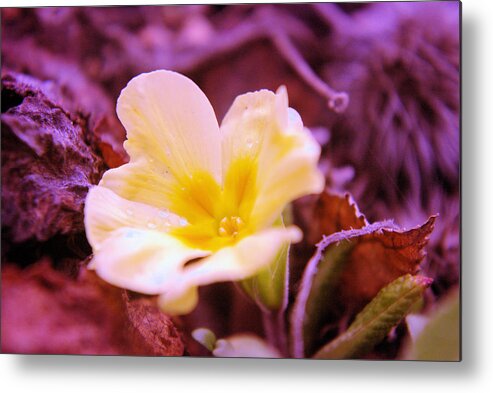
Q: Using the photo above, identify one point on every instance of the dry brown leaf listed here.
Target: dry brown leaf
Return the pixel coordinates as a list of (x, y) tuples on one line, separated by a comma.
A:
[(108, 133), (152, 331), (317, 216), (347, 270), (328, 213), (43, 311), (379, 258), (47, 163)]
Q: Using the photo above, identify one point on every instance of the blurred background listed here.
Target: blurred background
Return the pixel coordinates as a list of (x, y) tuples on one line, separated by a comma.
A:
[(394, 145)]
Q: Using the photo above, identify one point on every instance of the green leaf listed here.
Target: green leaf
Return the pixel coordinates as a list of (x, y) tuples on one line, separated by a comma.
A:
[(319, 285), (347, 271), (268, 288), (376, 320), (322, 290), (440, 338)]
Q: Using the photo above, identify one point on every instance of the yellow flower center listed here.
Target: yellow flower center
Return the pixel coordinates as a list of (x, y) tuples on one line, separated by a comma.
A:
[(218, 215), (230, 226)]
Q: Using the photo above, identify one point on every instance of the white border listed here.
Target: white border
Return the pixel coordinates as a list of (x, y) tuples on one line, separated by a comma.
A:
[(142, 375)]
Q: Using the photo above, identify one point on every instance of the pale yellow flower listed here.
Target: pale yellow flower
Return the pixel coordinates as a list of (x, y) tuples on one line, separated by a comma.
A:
[(197, 202)]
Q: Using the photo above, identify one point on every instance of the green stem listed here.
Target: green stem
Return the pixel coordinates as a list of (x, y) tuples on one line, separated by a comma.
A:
[(275, 330)]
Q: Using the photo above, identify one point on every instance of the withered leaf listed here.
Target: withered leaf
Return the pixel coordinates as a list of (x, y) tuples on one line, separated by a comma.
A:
[(347, 270), (321, 215), (43, 311), (379, 258), (109, 142), (328, 213), (47, 163), (152, 331)]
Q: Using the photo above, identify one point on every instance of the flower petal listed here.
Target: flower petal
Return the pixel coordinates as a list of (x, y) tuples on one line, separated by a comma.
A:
[(175, 302), (174, 146), (269, 158), (194, 198), (228, 264), (153, 262), (145, 261), (237, 262), (141, 182), (106, 212), (169, 120), (244, 346)]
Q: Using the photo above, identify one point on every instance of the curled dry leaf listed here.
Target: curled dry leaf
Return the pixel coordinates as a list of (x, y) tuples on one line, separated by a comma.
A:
[(347, 270), (43, 311), (380, 257), (328, 213), (318, 216), (107, 138), (47, 164), (66, 84)]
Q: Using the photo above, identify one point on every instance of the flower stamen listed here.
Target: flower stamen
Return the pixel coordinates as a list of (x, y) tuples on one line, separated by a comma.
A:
[(230, 226)]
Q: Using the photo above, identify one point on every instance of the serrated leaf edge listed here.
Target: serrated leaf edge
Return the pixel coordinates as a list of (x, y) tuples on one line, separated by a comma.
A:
[(297, 315)]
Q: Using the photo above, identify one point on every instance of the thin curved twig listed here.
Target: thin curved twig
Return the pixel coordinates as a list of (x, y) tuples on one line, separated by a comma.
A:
[(336, 101)]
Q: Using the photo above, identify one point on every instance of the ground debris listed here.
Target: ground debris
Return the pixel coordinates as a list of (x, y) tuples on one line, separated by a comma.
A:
[(43, 311)]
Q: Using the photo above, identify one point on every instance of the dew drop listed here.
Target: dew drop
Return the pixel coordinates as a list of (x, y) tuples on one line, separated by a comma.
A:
[(163, 214), (131, 234), (250, 143), (151, 225), (183, 222)]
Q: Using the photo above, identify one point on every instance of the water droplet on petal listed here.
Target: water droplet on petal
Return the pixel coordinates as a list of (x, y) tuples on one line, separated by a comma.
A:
[(131, 234), (151, 225), (163, 214), (251, 143), (183, 222)]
